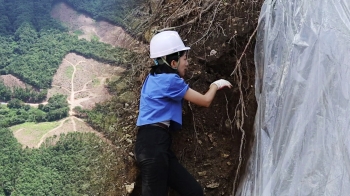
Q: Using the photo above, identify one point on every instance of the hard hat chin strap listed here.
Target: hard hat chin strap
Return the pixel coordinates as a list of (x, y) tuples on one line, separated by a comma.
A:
[(163, 60), (178, 60)]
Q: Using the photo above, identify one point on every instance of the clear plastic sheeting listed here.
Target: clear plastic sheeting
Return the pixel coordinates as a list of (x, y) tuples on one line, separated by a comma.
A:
[(302, 126)]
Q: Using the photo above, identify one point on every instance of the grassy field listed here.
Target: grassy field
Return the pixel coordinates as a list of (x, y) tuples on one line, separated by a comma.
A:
[(69, 72), (30, 134)]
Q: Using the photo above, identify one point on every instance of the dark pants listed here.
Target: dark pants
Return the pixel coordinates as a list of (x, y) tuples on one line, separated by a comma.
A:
[(159, 166)]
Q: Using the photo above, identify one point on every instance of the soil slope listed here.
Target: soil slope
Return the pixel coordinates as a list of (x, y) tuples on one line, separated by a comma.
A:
[(214, 144)]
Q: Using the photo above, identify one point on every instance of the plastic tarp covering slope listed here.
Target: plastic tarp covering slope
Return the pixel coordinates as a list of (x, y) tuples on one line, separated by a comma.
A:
[(302, 126)]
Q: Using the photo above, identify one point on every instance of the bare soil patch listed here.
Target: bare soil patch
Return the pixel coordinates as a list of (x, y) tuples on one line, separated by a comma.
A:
[(87, 28), (83, 80), (61, 80), (64, 127), (12, 81)]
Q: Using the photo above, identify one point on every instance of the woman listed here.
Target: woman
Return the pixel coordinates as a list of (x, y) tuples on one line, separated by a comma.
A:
[(161, 112)]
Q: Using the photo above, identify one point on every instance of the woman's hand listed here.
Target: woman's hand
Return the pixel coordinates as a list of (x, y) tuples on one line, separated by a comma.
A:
[(222, 83), (206, 99)]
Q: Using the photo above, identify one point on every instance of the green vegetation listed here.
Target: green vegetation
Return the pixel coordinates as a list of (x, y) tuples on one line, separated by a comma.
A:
[(107, 118), (16, 112), (77, 165), (32, 45), (95, 38), (78, 32), (41, 127), (69, 72), (96, 82), (27, 94), (57, 108)]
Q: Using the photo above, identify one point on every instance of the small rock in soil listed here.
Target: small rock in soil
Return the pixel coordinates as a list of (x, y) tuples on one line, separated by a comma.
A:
[(213, 185), (130, 188)]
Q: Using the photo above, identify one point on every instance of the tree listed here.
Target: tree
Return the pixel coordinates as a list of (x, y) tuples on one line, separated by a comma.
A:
[(5, 92), (15, 103)]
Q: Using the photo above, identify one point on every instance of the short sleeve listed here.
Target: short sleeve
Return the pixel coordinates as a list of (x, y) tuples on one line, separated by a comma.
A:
[(177, 88)]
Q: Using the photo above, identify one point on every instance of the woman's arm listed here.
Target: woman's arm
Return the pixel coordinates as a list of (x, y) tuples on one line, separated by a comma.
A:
[(206, 99)]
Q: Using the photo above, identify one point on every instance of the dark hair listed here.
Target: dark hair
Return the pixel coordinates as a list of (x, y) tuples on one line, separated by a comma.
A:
[(163, 67)]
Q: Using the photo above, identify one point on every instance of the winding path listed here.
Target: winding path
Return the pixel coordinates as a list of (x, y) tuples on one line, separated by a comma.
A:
[(72, 93), (73, 102), (45, 135)]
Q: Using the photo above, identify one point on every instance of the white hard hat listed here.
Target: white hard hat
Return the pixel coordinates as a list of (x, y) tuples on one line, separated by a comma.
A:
[(165, 43)]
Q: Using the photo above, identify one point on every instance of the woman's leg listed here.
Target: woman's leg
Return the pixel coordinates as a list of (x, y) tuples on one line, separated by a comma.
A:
[(151, 149), (181, 180), (154, 174)]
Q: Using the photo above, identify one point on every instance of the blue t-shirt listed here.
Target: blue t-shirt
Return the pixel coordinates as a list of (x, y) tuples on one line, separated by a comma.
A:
[(161, 100)]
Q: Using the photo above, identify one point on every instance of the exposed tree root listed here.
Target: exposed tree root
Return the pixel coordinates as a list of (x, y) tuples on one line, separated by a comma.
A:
[(241, 113)]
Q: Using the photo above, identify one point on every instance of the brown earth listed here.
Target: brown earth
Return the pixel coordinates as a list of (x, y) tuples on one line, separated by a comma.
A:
[(12, 81), (214, 144), (90, 28), (83, 80)]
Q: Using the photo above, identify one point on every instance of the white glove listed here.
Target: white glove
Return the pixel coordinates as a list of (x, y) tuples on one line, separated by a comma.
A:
[(222, 83)]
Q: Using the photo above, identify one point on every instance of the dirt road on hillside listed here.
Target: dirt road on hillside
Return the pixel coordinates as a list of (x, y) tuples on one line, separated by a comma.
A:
[(73, 87)]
